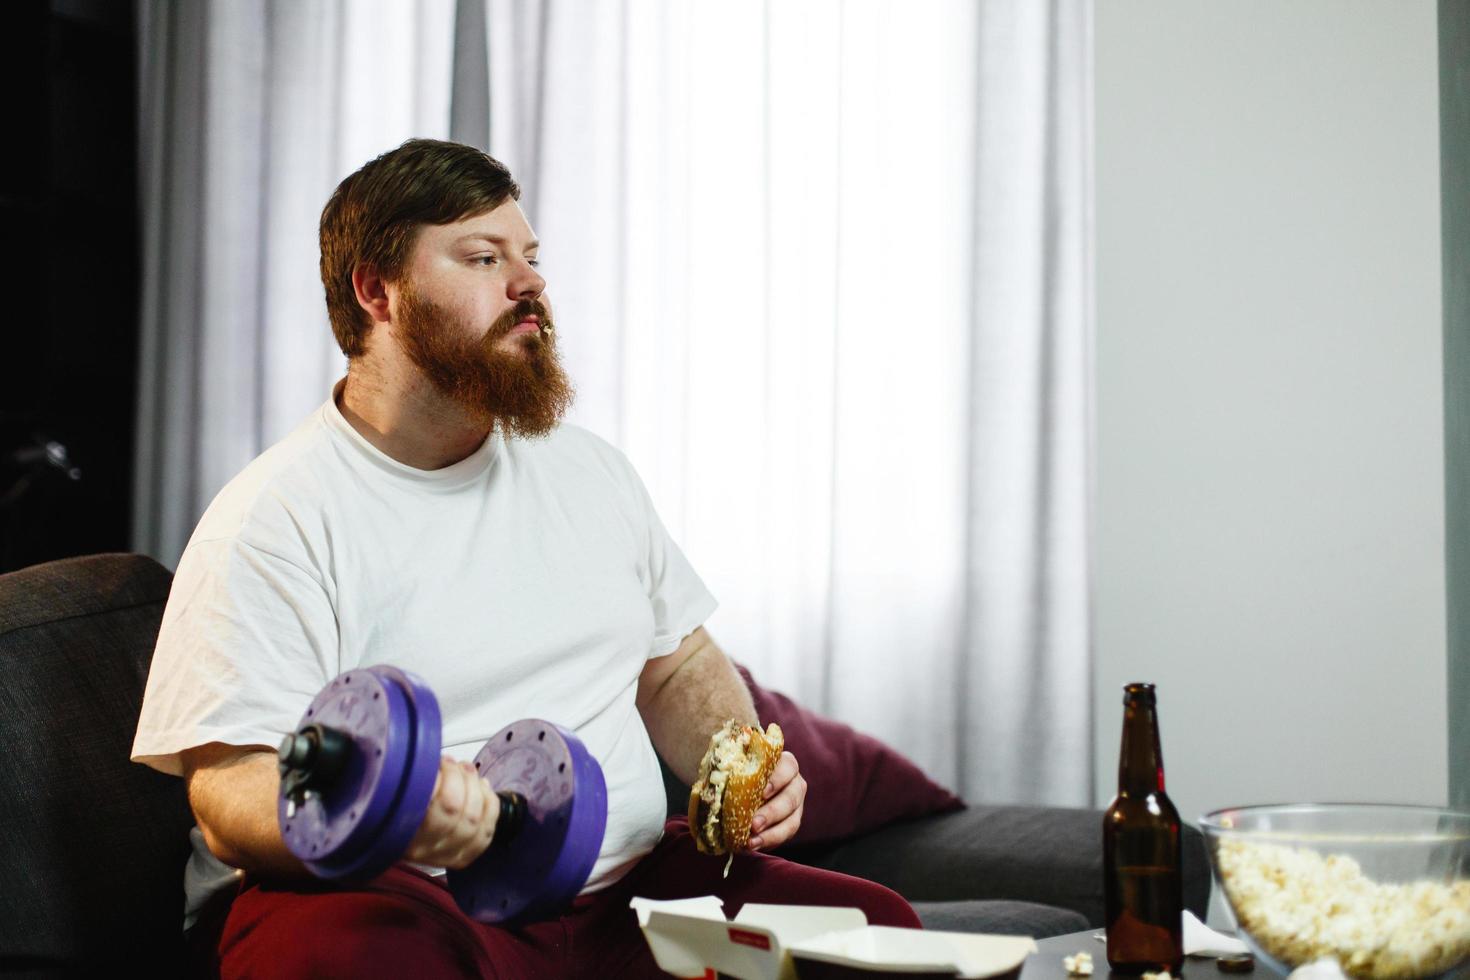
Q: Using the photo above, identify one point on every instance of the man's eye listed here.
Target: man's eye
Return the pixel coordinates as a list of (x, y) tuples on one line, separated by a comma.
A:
[(533, 263), (486, 259)]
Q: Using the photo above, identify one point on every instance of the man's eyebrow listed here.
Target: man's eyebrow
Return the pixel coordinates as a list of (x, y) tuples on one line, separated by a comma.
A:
[(492, 239)]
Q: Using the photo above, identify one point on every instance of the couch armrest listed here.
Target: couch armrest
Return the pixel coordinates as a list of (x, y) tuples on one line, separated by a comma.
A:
[(1049, 855), (93, 848)]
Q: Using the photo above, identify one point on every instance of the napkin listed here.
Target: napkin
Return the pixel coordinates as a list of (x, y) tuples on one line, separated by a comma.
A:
[(1201, 940), (1323, 969)]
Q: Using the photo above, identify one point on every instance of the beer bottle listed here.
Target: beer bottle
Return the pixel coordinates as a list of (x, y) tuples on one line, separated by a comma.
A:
[(1143, 889)]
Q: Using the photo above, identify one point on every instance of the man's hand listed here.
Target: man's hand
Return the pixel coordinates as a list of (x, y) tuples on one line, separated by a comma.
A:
[(688, 694), (777, 820), (460, 821)]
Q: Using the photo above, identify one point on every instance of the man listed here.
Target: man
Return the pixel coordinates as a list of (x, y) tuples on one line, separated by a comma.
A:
[(434, 514)]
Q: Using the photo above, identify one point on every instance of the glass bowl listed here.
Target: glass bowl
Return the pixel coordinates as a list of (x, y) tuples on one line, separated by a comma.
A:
[(1384, 890)]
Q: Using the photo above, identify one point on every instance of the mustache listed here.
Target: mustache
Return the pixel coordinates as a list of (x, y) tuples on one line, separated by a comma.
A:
[(507, 320)]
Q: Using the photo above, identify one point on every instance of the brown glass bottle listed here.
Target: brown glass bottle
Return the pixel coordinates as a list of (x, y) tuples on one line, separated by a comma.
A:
[(1143, 890)]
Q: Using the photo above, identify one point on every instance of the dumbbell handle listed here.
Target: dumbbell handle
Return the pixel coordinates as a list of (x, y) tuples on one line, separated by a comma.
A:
[(312, 758), (512, 817)]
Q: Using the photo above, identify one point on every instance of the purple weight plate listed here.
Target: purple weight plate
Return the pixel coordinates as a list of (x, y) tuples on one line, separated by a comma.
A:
[(423, 766), (540, 870), (416, 786), (339, 824)]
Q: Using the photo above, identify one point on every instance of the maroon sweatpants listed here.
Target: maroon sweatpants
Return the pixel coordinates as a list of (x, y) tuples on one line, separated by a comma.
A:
[(404, 923)]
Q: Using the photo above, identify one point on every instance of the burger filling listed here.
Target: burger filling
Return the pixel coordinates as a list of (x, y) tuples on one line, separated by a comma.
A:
[(727, 755)]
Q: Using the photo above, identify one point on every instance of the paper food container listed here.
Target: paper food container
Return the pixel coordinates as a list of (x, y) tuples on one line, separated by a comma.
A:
[(692, 938), (878, 950)]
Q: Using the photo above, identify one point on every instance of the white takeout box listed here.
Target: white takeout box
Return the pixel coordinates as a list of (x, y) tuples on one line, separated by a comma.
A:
[(691, 936)]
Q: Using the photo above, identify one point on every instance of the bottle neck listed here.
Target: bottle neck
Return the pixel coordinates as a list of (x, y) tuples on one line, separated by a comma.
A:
[(1141, 763)]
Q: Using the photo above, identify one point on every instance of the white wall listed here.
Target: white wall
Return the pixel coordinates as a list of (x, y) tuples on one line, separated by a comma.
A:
[(1270, 438)]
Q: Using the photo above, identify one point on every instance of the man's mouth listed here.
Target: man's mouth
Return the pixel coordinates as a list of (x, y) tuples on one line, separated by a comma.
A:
[(530, 324)]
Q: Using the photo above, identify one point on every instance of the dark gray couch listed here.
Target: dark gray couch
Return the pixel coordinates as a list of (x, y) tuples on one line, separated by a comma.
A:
[(92, 847)]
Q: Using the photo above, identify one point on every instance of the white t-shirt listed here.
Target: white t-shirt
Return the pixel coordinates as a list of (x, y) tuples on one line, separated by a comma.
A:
[(531, 579)]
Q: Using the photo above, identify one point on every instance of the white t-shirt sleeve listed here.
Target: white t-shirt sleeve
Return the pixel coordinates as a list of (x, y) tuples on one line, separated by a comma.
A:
[(248, 639), (681, 603)]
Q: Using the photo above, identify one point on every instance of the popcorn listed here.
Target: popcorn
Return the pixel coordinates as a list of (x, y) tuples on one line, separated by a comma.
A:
[(1161, 975), (1079, 965), (1303, 906)]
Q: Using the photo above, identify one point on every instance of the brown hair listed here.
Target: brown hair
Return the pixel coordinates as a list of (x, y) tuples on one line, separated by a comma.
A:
[(374, 216)]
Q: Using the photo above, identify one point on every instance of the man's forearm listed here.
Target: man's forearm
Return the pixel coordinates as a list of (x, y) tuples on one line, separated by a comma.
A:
[(234, 803), (692, 704)]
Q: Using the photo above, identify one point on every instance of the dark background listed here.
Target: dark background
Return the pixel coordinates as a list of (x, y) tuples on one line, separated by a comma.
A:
[(70, 251)]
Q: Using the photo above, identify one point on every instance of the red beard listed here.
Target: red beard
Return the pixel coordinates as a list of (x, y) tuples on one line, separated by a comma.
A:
[(526, 392)]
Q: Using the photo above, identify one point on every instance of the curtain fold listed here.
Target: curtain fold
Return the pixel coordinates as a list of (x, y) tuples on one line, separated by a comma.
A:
[(1027, 624), (251, 111)]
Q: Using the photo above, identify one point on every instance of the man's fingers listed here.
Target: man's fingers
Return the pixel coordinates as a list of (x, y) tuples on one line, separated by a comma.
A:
[(780, 806), (778, 819), (450, 800), (784, 772), (784, 793), (461, 819), (472, 831), (474, 795), (447, 805), (455, 816), (780, 832)]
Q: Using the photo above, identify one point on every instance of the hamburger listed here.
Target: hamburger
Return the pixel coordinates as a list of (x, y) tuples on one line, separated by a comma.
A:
[(731, 785)]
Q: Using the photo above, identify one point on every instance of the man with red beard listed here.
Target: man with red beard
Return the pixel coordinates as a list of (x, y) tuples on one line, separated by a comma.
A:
[(434, 514)]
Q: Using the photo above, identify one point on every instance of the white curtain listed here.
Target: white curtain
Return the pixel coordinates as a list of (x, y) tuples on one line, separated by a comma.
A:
[(820, 268), (251, 112)]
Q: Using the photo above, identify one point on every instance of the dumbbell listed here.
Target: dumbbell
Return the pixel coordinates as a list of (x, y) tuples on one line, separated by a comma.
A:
[(358, 773)]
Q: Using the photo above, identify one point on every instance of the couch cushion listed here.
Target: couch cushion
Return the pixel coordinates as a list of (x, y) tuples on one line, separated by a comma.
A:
[(855, 783), (1000, 918), (92, 847), (1049, 855)]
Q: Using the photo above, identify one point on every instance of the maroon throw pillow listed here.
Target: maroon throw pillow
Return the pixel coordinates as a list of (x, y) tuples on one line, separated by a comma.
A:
[(855, 783)]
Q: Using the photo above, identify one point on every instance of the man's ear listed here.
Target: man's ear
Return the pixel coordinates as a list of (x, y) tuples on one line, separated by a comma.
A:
[(372, 291)]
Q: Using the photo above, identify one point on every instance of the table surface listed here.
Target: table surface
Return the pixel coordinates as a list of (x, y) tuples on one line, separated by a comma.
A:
[(1046, 963)]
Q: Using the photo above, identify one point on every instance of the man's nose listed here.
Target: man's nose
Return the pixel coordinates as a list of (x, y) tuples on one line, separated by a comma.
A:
[(527, 283)]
